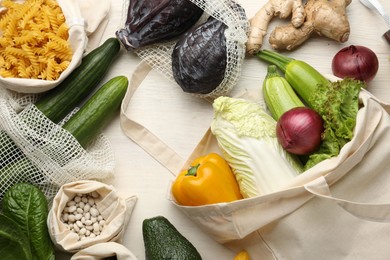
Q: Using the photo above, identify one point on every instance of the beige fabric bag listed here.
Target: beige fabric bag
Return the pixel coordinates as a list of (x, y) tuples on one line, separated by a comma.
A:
[(85, 30), (339, 209), (115, 210), (103, 251)]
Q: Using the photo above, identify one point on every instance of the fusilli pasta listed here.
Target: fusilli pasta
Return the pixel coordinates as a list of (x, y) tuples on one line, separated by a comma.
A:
[(34, 40)]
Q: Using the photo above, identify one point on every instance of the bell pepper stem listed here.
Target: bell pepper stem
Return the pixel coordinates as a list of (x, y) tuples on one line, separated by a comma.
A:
[(192, 170)]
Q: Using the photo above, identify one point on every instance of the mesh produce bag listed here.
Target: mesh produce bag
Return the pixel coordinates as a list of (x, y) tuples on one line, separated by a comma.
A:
[(158, 56), (35, 150)]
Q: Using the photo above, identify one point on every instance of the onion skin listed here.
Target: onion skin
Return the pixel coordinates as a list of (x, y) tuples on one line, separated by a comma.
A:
[(299, 130), (356, 62)]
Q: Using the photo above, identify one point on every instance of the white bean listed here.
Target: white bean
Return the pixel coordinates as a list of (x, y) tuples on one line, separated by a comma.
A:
[(91, 201), (82, 216), (90, 227), (87, 207), (76, 228), (71, 203), (77, 199), (82, 231), (78, 223), (95, 227), (81, 204), (94, 212), (71, 218), (71, 209)]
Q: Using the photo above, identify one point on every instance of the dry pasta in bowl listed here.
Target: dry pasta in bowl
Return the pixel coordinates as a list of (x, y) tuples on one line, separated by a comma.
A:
[(37, 48)]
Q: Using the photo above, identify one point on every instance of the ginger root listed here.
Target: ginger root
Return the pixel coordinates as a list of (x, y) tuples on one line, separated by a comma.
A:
[(323, 17), (259, 23)]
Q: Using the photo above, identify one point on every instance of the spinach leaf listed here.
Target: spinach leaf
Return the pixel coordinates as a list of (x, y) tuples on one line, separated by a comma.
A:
[(13, 242), (28, 207)]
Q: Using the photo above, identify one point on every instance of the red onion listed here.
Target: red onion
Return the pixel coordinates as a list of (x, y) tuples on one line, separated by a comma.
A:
[(299, 130), (357, 62)]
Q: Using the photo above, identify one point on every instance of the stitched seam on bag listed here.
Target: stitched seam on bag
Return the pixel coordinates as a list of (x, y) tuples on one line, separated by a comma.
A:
[(266, 244)]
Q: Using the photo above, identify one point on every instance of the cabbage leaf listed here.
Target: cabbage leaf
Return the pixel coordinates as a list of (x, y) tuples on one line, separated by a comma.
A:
[(246, 135)]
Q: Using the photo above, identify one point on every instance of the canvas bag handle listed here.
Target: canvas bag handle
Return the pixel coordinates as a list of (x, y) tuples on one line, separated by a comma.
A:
[(153, 145), (368, 211), (174, 163)]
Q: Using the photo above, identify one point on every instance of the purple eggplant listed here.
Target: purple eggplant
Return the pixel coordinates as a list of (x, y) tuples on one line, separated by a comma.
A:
[(155, 21), (199, 58)]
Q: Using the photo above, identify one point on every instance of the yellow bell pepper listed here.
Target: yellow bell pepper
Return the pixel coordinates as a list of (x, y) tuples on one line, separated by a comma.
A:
[(242, 255), (208, 180)]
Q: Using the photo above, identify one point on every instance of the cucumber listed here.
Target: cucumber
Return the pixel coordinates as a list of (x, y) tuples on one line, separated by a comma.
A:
[(86, 123), (60, 101)]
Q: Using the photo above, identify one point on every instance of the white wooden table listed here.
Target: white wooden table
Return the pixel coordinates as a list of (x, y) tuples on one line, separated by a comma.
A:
[(181, 120)]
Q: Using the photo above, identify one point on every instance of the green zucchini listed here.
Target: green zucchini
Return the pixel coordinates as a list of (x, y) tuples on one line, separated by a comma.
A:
[(303, 78), (60, 101), (86, 123), (278, 93)]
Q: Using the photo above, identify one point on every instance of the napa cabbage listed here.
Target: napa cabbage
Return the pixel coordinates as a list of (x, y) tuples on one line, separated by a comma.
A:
[(246, 135)]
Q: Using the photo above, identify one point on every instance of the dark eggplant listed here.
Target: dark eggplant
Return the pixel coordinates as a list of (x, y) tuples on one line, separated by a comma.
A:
[(199, 58), (154, 21)]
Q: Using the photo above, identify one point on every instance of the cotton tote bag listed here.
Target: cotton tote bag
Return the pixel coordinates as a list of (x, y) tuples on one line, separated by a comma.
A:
[(339, 209)]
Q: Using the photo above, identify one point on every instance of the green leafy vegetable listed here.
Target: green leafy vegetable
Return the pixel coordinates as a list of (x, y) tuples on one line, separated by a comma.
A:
[(26, 205), (13, 243), (246, 135), (338, 104)]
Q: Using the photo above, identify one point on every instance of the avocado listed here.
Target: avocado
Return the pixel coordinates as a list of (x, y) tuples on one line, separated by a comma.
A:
[(163, 241)]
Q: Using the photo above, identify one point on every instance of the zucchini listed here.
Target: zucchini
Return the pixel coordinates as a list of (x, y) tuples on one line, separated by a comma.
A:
[(278, 93), (86, 123), (60, 101), (303, 78)]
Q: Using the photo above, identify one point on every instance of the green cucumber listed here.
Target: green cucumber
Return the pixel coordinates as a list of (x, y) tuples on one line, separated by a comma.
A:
[(60, 101), (86, 123), (57, 103)]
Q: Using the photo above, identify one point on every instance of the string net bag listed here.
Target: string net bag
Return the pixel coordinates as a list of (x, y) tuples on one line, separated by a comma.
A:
[(35, 150), (158, 56)]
